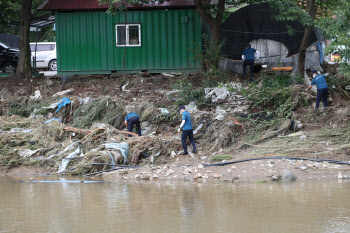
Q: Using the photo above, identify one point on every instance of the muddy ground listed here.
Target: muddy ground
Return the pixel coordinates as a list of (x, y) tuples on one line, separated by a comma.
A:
[(322, 135)]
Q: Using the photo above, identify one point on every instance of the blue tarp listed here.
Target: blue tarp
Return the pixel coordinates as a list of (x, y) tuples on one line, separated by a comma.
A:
[(63, 102)]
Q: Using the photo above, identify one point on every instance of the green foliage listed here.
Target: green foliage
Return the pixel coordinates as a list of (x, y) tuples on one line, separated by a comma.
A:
[(115, 5), (10, 16), (274, 92), (217, 158), (337, 135), (9, 13), (208, 55), (189, 93), (102, 110), (336, 29)]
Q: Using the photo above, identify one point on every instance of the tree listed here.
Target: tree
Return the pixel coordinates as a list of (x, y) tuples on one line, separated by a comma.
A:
[(24, 68), (306, 12), (10, 12), (336, 28)]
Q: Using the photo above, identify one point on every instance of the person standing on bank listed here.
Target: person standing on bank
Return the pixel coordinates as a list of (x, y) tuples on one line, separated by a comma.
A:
[(248, 56), (131, 120), (187, 130), (322, 88)]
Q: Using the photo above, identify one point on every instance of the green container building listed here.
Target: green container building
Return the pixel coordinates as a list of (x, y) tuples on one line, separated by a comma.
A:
[(154, 39)]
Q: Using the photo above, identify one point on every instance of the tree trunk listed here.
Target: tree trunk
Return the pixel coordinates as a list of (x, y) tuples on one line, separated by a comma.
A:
[(311, 5), (214, 23), (24, 69), (215, 33), (302, 51)]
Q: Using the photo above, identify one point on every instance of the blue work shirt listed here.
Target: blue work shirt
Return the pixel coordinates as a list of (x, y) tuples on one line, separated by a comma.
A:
[(188, 124), (249, 54), (132, 114), (320, 81)]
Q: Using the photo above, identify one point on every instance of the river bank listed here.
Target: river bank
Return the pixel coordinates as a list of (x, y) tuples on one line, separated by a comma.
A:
[(228, 126)]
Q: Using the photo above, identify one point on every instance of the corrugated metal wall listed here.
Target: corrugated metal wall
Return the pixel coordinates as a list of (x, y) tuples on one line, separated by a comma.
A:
[(86, 41)]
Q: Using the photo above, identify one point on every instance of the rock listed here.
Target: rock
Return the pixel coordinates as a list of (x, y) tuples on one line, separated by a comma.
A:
[(287, 176), (169, 172), (155, 177), (274, 178), (270, 165), (340, 176), (229, 171), (217, 176), (48, 82), (197, 176), (4, 93), (173, 154), (164, 169), (137, 177), (185, 177), (303, 168), (200, 166), (187, 171), (204, 157), (233, 167), (145, 177)]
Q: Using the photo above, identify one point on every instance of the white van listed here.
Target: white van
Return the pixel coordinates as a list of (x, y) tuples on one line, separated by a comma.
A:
[(45, 55)]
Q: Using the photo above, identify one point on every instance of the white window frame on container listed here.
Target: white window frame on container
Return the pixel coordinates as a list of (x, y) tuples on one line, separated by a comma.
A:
[(128, 42)]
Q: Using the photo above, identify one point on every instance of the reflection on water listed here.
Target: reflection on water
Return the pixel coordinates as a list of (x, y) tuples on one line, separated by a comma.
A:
[(173, 207)]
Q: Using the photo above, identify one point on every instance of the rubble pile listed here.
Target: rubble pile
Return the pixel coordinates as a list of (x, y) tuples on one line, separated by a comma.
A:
[(80, 136)]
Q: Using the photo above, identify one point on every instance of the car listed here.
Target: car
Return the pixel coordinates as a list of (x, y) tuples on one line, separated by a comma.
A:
[(45, 55), (8, 58)]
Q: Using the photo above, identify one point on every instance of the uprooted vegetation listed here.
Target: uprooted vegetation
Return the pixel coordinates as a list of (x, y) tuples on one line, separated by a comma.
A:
[(229, 116)]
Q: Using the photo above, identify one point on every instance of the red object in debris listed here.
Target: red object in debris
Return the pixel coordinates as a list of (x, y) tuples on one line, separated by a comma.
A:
[(236, 121)]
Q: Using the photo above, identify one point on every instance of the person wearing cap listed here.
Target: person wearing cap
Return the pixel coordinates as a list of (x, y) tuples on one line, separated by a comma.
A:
[(248, 56), (131, 120), (322, 88), (187, 131)]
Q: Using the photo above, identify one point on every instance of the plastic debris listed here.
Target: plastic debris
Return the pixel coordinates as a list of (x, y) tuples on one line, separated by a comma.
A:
[(164, 111), (53, 119), (66, 160), (123, 147), (63, 102)]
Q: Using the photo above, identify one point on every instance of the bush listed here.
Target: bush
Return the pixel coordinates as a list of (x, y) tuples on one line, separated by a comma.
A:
[(275, 92)]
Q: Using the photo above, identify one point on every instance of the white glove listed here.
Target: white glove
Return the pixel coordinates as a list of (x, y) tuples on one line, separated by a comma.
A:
[(178, 130), (306, 89)]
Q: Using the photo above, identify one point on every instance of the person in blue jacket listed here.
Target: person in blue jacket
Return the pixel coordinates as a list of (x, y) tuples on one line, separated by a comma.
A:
[(248, 56), (186, 124), (131, 120), (322, 88)]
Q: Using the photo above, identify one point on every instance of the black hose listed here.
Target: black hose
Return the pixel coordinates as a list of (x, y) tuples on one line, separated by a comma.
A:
[(107, 164), (290, 158)]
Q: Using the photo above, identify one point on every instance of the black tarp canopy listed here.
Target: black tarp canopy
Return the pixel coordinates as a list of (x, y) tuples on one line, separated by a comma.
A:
[(255, 22)]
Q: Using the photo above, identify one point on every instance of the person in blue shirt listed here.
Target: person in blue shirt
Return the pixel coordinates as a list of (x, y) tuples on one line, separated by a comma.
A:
[(322, 88), (131, 120), (186, 124), (248, 56)]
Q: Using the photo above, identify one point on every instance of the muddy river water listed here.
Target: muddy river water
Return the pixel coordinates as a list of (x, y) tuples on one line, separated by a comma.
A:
[(67, 206)]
